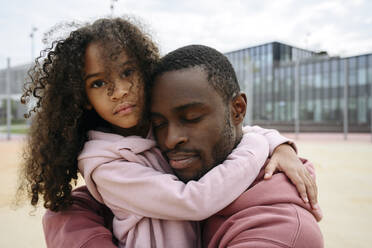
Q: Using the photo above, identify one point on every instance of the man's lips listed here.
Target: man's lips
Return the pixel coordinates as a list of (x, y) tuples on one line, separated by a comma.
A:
[(182, 161), (123, 109)]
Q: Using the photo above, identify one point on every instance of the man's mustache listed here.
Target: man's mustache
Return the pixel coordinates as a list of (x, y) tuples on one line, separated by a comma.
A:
[(172, 152)]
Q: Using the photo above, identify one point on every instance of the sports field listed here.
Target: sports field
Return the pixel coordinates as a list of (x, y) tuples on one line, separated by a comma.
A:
[(344, 170)]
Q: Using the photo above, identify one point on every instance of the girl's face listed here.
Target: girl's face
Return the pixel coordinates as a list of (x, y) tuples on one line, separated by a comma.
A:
[(114, 87)]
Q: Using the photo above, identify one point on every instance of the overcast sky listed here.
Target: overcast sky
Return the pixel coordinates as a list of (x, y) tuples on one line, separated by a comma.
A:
[(341, 27)]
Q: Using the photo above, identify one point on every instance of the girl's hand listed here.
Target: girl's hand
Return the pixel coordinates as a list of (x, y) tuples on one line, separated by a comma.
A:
[(285, 159)]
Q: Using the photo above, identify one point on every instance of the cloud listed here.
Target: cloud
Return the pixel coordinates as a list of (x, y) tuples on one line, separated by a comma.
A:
[(340, 27)]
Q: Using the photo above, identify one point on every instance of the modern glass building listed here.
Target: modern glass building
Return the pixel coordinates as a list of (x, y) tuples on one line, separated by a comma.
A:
[(289, 87), (16, 76)]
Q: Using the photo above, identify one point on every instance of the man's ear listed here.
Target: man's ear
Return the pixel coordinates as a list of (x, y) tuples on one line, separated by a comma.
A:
[(239, 107)]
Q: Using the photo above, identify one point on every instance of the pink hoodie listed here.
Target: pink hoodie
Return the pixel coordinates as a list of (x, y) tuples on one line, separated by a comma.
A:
[(269, 214), (131, 177)]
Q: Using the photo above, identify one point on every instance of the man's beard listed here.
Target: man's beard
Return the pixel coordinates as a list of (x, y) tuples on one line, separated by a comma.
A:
[(225, 144), (222, 148)]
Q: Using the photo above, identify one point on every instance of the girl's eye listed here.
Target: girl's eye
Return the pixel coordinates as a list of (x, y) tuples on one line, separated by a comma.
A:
[(127, 73), (98, 84)]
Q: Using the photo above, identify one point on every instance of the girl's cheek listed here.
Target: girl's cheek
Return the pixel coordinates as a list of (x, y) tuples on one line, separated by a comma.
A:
[(139, 88)]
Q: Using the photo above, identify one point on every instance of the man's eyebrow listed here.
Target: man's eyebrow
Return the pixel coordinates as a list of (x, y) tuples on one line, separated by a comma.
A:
[(180, 108), (189, 105)]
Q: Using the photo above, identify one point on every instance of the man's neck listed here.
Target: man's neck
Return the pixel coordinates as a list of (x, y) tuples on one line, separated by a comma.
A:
[(239, 135)]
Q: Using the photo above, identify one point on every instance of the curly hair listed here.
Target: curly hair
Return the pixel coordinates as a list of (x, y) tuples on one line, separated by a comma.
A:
[(220, 72), (61, 120)]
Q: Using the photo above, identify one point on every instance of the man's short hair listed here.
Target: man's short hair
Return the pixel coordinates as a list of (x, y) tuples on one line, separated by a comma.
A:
[(219, 70)]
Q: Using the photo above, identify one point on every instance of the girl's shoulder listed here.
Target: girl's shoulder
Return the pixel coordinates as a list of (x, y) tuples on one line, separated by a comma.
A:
[(136, 144), (103, 135)]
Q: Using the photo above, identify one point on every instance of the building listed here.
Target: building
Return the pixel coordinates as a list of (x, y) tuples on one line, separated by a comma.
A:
[(17, 76), (290, 88)]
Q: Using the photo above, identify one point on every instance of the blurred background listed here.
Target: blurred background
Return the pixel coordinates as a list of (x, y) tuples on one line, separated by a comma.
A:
[(306, 67)]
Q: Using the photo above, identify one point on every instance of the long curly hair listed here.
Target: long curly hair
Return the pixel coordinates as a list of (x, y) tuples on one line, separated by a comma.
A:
[(60, 118)]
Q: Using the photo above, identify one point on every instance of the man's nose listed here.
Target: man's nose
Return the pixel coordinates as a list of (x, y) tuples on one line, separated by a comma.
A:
[(176, 136), (119, 90)]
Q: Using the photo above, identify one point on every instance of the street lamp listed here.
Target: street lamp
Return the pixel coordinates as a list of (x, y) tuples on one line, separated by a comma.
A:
[(33, 30), (112, 7)]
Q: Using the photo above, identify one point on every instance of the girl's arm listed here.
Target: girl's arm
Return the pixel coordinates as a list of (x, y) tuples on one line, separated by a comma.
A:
[(131, 188), (273, 137)]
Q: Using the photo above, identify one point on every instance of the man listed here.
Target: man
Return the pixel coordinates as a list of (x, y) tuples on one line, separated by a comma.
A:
[(197, 112)]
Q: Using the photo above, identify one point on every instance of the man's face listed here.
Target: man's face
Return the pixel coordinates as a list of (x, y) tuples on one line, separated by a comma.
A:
[(191, 122)]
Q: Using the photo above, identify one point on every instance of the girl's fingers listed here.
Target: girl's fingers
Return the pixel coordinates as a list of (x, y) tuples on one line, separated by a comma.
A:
[(269, 169), (299, 182), (312, 190)]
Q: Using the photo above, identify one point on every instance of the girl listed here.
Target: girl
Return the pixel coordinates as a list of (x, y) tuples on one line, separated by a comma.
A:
[(97, 80)]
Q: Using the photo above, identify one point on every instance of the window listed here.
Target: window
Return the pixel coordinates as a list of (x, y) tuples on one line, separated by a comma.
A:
[(326, 74), (318, 111), (343, 64), (362, 76), (289, 115), (276, 81), (269, 81), (263, 56), (334, 74), (318, 75), (270, 54), (362, 110), (369, 74), (310, 88), (276, 111), (282, 107), (268, 110), (303, 111), (352, 109), (334, 109), (352, 71), (310, 110)]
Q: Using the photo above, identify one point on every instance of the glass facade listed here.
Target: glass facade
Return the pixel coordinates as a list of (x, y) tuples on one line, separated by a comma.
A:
[(324, 83), (269, 74), (17, 76)]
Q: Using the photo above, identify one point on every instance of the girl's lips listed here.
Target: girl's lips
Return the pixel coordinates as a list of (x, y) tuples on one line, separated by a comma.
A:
[(183, 163), (123, 109)]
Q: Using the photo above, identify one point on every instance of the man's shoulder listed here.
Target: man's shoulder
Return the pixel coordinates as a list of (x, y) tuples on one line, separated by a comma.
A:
[(270, 213), (276, 190), (85, 221), (275, 225)]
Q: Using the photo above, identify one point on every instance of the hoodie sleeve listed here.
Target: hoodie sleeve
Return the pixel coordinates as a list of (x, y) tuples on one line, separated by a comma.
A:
[(131, 188), (273, 137), (86, 223)]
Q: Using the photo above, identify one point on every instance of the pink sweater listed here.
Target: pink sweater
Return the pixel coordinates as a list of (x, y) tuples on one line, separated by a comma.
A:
[(131, 177), (269, 214)]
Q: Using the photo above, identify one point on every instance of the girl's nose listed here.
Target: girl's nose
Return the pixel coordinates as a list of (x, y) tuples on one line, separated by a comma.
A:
[(119, 90)]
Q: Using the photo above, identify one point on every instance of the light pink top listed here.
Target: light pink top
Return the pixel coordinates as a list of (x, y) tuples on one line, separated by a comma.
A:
[(131, 177)]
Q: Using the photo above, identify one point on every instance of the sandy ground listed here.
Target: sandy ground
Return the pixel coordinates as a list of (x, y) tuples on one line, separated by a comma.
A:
[(344, 172)]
